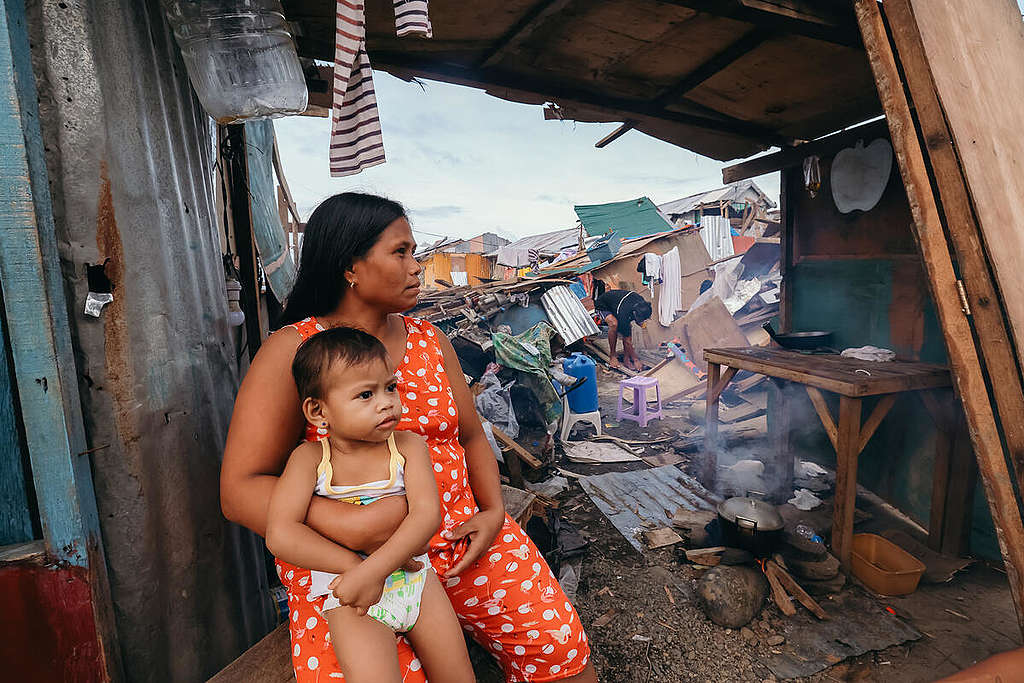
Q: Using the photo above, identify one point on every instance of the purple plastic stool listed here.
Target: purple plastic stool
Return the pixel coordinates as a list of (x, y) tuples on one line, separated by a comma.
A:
[(640, 412)]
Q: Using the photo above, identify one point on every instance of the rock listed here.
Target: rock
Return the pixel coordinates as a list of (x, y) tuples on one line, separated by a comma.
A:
[(730, 596), (736, 556), (816, 570), (798, 547), (775, 640), (825, 587), (747, 634)]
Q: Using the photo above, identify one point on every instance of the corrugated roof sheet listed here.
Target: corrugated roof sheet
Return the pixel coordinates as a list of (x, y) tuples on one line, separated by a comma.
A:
[(548, 242), (567, 314), (731, 192), (632, 218), (646, 499)]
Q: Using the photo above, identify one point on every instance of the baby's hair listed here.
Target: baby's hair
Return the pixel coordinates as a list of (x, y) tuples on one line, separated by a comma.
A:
[(316, 355)]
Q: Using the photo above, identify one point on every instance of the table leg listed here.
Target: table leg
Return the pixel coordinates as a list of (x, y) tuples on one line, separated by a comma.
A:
[(848, 439), (780, 466), (963, 477), (709, 464)]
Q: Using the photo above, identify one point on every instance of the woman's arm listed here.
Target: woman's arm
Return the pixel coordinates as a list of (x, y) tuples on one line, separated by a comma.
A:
[(265, 426), (288, 537), (483, 467)]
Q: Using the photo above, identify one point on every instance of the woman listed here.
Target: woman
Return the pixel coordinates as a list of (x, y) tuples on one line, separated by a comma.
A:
[(357, 269)]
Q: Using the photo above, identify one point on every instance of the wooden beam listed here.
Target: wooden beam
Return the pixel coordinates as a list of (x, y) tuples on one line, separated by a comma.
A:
[(810, 22), (956, 328), (882, 409), (536, 17), (790, 584), (615, 134), (491, 79), (241, 226), (794, 156), (847, 437), (821, 407), (964, 234), (524, 454)]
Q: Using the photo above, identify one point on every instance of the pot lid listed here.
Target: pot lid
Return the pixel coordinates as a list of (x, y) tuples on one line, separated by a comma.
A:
[(764, 514)]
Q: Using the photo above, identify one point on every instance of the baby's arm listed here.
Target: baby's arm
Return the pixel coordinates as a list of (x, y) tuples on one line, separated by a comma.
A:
[(356, 587), (288, 537)]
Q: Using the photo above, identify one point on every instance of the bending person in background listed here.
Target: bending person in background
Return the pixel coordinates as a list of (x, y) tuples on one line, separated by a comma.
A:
[(357, 270), (619, 309)]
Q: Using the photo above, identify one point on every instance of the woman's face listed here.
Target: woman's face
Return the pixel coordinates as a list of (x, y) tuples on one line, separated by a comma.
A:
[(388, 276)]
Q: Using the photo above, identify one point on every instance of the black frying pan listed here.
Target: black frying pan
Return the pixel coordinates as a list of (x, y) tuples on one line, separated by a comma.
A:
[(799, 341)]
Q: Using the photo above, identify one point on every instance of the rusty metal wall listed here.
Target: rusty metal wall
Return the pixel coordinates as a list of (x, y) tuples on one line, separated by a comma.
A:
[(130, 158)]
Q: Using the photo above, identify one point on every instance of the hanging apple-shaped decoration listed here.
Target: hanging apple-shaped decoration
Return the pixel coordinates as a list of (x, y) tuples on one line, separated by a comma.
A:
[(860, 174)]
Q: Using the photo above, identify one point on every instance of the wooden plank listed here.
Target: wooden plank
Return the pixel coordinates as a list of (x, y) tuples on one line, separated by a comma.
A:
[(963, 230), (940, 484), (518, 503), (779, 595), (268, 661), (790, 584), (956, 328), (847, 438), (882, 409), (708, 326), (525, 455), (826, 26), (818, 400), (833, 372), (794, 156), (709, 457), (780, 464), (539, 14), (721, 384), (974, 51)]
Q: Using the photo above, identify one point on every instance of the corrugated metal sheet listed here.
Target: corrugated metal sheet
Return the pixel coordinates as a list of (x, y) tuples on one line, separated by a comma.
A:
[(130, 160), (645, 499), (567, 315), (731, 192), (632, 218), (547, 243), (717, 235)]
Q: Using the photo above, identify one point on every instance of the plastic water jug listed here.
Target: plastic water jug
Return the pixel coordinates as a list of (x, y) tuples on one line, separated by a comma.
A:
[(240, 57), (582, 399)]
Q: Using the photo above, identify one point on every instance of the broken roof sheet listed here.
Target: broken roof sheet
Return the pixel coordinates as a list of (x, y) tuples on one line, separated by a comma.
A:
[(731, 192), (632, 218), (548, 243), (726, 79)]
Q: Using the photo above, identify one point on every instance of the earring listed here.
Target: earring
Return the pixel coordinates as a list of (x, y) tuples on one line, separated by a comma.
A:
[(321, 431)]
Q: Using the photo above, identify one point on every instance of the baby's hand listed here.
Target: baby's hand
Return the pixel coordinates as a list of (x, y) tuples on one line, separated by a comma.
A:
[(358, 588)]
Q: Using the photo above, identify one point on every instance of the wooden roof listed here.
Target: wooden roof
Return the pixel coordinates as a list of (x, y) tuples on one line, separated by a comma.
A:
[(724, 78)]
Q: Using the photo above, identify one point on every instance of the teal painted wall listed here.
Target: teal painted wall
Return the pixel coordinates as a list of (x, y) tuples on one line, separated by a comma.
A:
[(19, 520), (874, 293)]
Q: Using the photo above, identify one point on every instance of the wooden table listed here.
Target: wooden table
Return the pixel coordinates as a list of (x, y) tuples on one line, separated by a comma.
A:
[(853, 381)]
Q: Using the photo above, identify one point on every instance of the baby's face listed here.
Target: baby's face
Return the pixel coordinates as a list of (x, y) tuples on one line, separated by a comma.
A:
[(362, 401)]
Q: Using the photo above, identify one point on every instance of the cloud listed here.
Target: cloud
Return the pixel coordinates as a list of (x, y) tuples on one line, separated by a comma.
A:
[(446, 211)]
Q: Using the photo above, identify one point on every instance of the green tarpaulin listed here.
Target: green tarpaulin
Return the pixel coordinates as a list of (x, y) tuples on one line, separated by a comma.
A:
[(629, 219)]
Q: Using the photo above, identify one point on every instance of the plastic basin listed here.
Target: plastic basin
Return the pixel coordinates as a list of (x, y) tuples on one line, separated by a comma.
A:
[(883, 566)]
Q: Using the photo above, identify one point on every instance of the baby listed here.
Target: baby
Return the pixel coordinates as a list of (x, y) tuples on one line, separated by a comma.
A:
[(349, 392)]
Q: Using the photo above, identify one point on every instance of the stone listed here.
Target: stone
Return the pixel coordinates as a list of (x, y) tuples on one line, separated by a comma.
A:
[(816, 570), (747, 634), (775, 640), (818, 589), (731, 596)]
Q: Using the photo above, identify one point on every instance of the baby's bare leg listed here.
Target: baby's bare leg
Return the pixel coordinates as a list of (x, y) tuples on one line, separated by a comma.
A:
[(437, 638), (365, 648)]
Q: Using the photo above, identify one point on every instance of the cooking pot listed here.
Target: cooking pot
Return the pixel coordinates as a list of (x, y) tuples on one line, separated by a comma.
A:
[(799, 341), (750, 524)]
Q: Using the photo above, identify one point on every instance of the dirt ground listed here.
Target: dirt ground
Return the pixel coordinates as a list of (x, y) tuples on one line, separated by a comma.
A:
[(649, 627)]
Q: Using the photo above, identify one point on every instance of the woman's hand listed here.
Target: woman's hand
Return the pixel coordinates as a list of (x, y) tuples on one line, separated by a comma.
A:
[(359, 588), (479, 531)]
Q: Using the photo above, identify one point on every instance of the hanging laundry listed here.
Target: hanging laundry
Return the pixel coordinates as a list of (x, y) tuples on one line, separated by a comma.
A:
[(649, 268), (356, 140), (671, 299), (588, 283)]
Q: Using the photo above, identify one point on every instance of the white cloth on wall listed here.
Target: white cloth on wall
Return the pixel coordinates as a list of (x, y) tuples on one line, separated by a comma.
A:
[(652, 266), (671, 299), (460, 278)]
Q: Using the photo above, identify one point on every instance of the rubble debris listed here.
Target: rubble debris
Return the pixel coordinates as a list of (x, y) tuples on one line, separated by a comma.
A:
[(592, 453), (661, 537)]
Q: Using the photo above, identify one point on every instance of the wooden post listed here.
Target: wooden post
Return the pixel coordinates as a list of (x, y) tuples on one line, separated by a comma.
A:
[(241, 223), (847, 440), (963, 354), (709, 458)]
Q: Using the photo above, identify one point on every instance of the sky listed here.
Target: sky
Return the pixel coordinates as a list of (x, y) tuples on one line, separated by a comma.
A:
[(463, 162)]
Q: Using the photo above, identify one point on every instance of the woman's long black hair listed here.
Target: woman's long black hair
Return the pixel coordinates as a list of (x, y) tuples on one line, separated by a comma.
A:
[(340, 232)]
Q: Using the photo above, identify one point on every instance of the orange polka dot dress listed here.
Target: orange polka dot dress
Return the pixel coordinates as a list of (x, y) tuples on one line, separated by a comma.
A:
[(509, 601)]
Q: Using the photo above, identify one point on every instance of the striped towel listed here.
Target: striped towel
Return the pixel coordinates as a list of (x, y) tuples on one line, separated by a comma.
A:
[(356, 140)]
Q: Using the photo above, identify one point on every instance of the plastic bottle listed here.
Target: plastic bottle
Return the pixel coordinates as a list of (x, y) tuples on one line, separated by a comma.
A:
[(240, 57)]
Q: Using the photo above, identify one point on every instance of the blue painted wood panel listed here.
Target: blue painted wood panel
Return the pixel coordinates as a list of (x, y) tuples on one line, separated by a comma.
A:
[(17, 503)]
